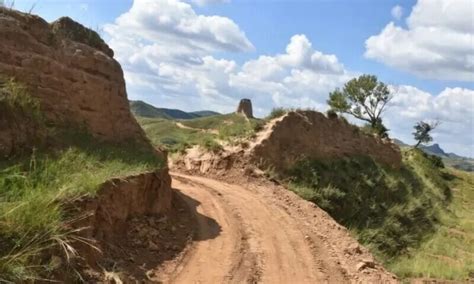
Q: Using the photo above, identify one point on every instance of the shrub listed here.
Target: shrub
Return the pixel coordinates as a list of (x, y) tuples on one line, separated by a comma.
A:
[(212, 145), (15, 97), (391, 210), (331, 114), (276, 112)]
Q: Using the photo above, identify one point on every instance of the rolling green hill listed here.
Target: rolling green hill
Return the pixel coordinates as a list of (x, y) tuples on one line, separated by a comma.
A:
[(449, 159), (142, 109), (177, 135)]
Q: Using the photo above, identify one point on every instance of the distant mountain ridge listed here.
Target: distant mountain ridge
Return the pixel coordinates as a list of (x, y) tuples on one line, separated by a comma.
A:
[(140, 108), (450, 159)]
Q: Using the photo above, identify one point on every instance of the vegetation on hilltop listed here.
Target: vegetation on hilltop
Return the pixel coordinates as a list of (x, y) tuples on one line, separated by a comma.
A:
[(142, 109), (205, 131), (364, 98)]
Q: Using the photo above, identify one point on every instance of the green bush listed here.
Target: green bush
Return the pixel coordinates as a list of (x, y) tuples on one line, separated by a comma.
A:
[(391, 210), (212, 145), (276, 112), (15, 99), (331, 114)]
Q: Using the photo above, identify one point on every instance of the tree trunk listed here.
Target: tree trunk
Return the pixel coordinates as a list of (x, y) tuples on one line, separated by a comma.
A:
[(417, 144)]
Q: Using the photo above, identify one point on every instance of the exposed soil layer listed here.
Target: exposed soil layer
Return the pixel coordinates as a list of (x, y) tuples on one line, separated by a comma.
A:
[(149, 242), (71, 71), (278, 148), (309, 134), (128, 217)]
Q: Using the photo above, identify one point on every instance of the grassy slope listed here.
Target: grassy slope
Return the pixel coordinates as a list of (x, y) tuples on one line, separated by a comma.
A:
[(449, 252), (33, 187), (229, 127), (400, 215), (140, 108)]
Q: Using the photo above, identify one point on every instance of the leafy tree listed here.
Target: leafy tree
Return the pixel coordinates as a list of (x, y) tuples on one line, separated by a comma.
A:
[(422, 132), (365, 98)]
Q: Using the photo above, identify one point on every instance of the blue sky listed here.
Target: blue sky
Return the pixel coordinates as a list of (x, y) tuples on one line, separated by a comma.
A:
[(337, 27), (176, 53)]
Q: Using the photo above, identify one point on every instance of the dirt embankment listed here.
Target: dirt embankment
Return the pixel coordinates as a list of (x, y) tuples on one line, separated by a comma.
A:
[(310, 134), (72, 72), (288, 139), (120, 228)]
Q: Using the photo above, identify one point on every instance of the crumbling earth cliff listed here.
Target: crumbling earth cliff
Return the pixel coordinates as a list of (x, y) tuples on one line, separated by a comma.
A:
[(72, 72)]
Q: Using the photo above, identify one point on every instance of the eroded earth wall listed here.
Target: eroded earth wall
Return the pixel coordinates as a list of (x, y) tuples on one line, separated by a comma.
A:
[(310, 134), (72, 72)]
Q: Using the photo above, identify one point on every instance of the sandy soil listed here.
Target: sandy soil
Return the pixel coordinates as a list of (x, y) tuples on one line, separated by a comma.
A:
[(258, 233)]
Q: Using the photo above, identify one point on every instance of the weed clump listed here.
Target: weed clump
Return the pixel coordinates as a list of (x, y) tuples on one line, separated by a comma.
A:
[(276, 112), (15, 98)]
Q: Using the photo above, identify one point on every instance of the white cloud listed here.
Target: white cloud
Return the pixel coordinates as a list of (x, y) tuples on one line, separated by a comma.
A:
[(168, 53), (168, 50), (454, 107), (397, 12), (175, 23), (437, 43)]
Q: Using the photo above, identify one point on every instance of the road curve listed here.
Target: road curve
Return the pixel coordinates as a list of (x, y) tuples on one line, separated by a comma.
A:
[(244, 236)]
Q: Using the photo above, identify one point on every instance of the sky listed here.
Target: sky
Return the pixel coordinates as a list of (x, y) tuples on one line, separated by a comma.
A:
[(208, 54)]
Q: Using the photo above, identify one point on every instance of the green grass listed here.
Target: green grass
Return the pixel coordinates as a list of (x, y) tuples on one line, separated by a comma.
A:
[(204, 131), (229, 126), (33, 188), (175, 139), (449, 252), (390, 210), (277, 112), (418, 220)]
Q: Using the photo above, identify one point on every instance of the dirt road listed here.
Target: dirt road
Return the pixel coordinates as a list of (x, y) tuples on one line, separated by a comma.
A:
[(251, 233)]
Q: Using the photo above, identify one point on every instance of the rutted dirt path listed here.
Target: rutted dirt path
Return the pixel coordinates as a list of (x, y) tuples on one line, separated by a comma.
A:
[(249, 234), (211, 131)]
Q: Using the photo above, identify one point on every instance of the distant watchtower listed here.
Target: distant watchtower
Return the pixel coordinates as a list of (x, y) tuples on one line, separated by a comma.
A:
[(245, 107)]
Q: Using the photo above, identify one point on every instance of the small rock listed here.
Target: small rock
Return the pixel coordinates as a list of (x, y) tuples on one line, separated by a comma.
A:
[(365, 264), (152, 246), (163, 219), (353, 249)]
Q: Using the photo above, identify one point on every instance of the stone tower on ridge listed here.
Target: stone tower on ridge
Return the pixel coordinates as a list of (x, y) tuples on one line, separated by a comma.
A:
[(245, 108)]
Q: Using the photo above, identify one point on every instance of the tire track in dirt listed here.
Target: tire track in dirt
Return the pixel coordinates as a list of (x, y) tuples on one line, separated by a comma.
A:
[(258, 242)]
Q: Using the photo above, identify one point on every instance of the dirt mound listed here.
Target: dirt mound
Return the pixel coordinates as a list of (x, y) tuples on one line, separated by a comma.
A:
[(70, 70), (288, 139), (309, 134), (121, 219)]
